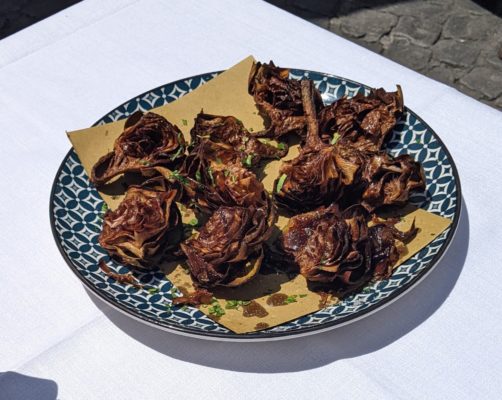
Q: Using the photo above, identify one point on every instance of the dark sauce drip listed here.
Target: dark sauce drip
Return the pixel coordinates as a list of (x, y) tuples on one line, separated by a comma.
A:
[(253, 309), (277, 299), (261, 325)]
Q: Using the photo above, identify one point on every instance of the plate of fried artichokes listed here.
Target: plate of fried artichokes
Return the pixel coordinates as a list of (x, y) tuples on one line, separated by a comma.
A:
[(360, 151)]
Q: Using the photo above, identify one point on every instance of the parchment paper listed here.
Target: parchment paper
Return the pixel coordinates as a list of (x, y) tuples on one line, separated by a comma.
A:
[(227, 95)]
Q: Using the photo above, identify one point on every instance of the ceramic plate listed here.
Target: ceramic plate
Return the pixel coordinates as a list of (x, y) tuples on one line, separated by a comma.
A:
[(75, 212)]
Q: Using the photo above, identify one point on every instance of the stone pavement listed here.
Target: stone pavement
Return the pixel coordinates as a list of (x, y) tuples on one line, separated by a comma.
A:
[(458, 42)]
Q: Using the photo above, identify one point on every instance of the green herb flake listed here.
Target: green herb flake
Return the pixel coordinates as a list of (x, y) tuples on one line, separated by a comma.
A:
[(216, 310), (184, 308), (184, 122), (198, 176), (210, 173), (145, 163), (251, 130), (104, 208), (281, 146), (302, 295), (248, 161), (235, 304), (226, 173), (193, 222), (178, 153), (291, 299), (280, 183), (232, 304), (336, 137), (153, 290), (176, 175)]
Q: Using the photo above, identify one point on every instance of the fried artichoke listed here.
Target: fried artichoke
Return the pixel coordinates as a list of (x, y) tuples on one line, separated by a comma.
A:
[(388, 180), (148, 140), (146, 223), (228, 250), (233, 185), (362, 122), (229, 130), (341, 249), (312, 178), (279, 100)]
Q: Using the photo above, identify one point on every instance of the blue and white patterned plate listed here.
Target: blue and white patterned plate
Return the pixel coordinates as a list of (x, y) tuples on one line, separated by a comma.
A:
[(75, 212)]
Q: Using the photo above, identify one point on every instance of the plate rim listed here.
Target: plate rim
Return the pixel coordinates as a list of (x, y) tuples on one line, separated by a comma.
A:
[(268, 336)]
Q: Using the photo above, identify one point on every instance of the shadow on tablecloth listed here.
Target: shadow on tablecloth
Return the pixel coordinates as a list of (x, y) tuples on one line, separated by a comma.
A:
[(362, 337), (14, 386)]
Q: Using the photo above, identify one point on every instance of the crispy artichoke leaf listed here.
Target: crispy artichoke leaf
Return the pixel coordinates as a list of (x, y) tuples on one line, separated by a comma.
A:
[(342, 249), (231, 237), (229, 130), (363, 122), (279, 100), (312, 178), (148, 140), (145, 223)]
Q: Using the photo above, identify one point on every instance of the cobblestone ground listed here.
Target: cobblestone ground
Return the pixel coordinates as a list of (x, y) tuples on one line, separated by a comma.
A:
[(458, 42)]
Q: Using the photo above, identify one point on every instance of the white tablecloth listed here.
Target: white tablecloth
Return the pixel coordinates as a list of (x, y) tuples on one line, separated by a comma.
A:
[(440, 341)]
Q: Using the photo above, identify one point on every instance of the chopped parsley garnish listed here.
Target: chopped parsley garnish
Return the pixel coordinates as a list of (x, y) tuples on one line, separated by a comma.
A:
[(153, 290), (235, 304), (281, 146), (303, 295), (177, 154), (280, 183), (291, 299), (248, 161), (210, 172), (104, 208), (336, 137), (193, 222), (251, 130), (216, 310), (176, 175), (184, 122)]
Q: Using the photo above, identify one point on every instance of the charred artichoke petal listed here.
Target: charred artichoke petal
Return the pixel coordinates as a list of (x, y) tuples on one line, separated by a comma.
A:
[(279, 100), (342, 248), (148, 140), (146, 221)]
